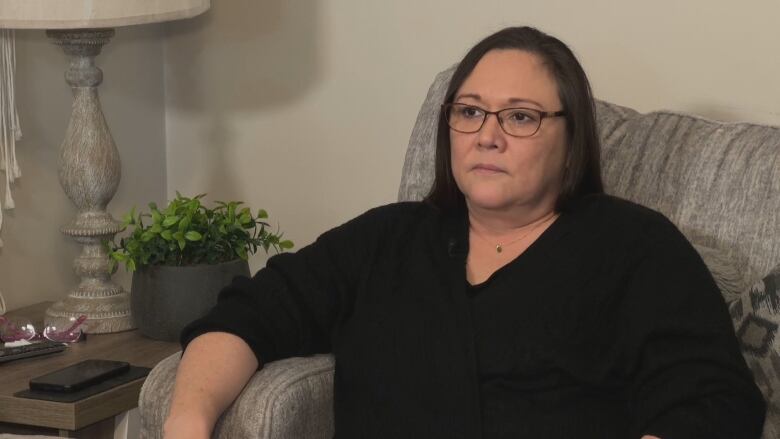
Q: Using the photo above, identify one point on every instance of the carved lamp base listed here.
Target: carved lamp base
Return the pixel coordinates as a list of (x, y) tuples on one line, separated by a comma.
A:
[(89, 171)]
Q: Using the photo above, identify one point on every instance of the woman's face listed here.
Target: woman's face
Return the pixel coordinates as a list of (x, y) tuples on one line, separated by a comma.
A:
[(494, 170)]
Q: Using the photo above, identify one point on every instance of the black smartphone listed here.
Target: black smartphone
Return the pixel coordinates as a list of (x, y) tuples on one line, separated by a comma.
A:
[(79, 375)]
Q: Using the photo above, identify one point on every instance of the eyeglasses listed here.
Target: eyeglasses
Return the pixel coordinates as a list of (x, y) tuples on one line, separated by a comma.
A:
[(17, 329), (517, 122)]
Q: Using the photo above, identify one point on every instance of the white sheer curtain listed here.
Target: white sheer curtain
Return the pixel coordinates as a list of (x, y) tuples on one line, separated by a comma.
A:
[(10, 131)]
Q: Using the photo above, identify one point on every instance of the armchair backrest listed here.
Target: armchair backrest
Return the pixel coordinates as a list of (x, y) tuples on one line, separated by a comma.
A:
[(719, 182)]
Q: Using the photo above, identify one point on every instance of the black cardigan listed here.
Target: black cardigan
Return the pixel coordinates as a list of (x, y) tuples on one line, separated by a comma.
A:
[(608, 326)]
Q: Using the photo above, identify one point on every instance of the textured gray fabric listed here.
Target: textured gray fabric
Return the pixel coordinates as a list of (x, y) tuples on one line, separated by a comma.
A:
[(417, 174), (719, 182), (756, 317), (287, 399), (730, 281)]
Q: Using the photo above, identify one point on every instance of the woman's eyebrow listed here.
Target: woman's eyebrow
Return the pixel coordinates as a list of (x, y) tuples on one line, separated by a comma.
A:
[(469, 95), (524, 101), (511, 101)]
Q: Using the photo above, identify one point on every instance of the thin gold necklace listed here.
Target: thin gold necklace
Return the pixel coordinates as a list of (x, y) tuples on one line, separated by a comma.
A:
[(500, 247)]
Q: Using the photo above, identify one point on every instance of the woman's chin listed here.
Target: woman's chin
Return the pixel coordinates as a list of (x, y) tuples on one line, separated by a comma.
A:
[(488, 202)]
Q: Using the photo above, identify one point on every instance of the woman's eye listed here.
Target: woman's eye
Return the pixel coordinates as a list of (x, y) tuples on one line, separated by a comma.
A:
[(470, 112), (520, 117)]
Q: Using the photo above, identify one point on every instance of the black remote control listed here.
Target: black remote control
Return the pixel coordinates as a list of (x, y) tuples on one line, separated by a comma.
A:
[(44, 347)]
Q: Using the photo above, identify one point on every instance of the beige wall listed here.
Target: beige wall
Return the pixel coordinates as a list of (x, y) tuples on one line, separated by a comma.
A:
[(35, 263), (305, 108)]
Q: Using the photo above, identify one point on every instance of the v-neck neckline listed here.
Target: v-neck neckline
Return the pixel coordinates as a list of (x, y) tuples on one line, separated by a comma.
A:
[(549, 235)]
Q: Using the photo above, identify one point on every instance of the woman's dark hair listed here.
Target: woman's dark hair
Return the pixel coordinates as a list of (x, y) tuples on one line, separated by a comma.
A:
[(583, 173)]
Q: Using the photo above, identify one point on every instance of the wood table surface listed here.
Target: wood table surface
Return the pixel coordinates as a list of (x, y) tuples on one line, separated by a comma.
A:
[(129, 346)]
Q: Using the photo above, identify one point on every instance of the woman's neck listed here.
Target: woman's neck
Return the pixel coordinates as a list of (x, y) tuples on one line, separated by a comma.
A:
[(495, 223)]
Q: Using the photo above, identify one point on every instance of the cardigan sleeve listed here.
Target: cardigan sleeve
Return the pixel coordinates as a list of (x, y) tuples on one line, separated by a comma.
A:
[(290, 307), (688, 378)]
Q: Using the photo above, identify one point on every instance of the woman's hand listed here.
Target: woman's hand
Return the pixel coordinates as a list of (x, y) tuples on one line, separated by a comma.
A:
[(647, 436)]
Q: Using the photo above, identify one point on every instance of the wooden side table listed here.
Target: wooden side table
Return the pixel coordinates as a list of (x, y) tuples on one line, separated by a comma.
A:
[(92, 417)]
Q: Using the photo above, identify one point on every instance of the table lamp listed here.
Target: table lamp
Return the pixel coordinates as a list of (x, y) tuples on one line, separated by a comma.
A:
[(89, 165)]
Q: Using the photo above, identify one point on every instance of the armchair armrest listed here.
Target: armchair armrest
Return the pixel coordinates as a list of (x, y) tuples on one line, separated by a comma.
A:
[(286, 399)]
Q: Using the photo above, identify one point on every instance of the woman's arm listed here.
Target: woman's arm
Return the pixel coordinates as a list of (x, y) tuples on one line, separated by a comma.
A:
[(214, 369), (287, 309), (689, 378)]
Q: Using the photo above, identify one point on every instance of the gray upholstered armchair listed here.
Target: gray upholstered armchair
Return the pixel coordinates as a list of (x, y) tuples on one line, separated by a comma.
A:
[(719, 182)]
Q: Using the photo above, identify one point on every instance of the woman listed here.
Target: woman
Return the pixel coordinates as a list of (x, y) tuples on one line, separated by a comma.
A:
[(517, 301)]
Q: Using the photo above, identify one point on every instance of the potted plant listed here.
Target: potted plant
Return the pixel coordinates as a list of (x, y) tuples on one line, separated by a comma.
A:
[(182, 255)]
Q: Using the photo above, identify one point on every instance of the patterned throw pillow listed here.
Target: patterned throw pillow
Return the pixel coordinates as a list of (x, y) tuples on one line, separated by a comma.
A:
[(756, 318)]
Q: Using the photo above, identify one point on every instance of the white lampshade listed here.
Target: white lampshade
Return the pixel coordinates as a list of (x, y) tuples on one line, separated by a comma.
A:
[(76, 14)]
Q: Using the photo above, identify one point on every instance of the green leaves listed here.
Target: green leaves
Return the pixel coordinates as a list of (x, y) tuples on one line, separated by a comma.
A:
[(170, 220), (187, 233)]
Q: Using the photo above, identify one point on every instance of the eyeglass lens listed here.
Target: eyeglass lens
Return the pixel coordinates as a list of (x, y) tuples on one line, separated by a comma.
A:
[(19, 328), (519, 122)]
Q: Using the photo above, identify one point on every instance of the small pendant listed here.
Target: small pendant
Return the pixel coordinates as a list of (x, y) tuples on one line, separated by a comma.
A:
[(499, 249)]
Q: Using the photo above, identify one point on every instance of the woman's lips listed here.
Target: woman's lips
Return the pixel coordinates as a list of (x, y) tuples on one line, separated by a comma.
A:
[(482, 167)]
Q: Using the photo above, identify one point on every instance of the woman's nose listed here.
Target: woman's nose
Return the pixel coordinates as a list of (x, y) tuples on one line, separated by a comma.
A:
[(491, 135)]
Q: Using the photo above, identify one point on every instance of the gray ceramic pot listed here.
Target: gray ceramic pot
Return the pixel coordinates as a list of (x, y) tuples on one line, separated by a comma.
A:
[(164, 299)]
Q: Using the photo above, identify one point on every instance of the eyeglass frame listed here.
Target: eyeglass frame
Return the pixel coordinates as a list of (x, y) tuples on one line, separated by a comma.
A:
[(542, 115), (76, 324)]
